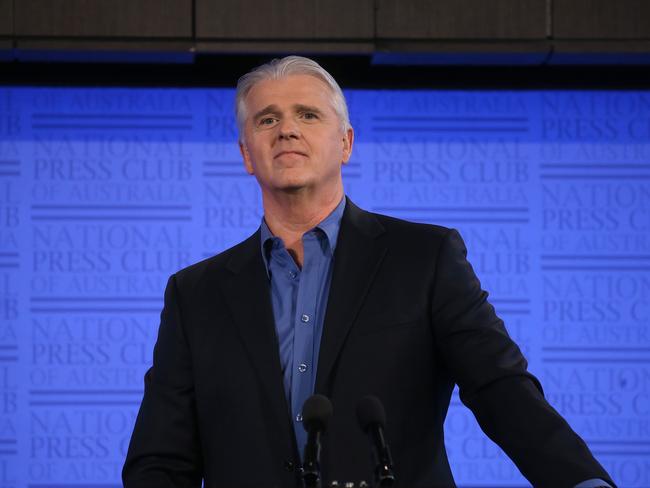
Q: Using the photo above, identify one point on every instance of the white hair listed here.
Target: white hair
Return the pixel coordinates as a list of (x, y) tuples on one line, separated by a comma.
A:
[(279, 68)]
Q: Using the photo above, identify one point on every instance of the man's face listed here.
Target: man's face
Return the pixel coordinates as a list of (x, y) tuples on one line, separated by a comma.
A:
[(293, 138)]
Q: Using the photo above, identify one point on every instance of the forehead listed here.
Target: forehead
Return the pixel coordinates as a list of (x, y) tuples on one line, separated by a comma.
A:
[(288, 91)]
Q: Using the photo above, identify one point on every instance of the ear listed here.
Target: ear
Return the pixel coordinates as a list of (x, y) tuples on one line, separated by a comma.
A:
[(348, 141), (247, 158)]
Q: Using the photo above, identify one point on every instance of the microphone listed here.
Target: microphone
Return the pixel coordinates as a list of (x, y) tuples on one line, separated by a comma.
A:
[(372, 419), (316, 412)]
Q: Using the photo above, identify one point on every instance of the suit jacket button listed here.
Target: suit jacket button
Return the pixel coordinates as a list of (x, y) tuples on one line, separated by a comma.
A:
[(288, 465)]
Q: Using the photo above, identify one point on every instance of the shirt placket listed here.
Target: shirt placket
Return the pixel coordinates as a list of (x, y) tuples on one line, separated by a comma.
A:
[(287, 276), (303, 366)]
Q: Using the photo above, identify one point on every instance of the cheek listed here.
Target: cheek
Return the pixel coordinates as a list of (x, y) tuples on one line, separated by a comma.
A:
[(257, 154), (336, 148), (334, 143)]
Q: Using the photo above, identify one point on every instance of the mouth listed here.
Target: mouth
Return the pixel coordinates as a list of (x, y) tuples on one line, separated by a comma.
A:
[(290, 153)]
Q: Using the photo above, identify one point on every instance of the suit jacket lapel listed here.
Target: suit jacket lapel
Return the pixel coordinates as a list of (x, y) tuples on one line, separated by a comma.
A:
[(357, 258), (247, 293)]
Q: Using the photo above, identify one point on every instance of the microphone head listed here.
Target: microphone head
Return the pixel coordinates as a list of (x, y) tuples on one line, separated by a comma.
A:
[(316, 412), (370, 412)]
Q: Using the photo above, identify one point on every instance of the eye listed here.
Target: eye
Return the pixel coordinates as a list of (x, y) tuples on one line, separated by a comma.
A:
[(310, 116), (266, 121)]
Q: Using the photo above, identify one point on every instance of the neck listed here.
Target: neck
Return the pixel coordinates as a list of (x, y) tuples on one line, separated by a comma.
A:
[(290, 215)]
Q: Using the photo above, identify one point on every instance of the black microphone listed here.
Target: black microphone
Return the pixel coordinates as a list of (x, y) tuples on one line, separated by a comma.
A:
[(372, 419), (316, 412)]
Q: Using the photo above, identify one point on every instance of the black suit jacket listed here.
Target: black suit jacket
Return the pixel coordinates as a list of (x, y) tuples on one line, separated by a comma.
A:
[(406, 319)]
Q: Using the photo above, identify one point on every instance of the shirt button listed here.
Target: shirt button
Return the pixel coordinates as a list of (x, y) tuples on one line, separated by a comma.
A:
[(292, 274), (305, 318), (288, 465), (302, 368), (299, 417)]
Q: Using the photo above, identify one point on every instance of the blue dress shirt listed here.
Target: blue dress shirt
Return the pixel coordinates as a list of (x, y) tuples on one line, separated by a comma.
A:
[(299, 299)]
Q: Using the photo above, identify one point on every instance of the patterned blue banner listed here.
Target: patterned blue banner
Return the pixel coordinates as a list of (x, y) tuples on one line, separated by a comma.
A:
[(106, 192)]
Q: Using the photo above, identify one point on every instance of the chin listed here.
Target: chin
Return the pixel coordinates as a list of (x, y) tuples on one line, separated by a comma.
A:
[(293, 184), (292, 188)]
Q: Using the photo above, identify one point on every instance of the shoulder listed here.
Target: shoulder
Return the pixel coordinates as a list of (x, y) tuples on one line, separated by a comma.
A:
[(404, 232), (374, 223), (219, 264), (397, 226), (412, 244), (420, 242)]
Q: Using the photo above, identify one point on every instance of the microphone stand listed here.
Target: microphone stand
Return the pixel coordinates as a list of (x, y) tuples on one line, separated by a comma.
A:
[(384, 475), (311, 467), (316, 412)]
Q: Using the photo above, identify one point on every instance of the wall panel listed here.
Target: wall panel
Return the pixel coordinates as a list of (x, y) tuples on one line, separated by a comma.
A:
[(601, 19), (6, 17), (286, 19), (117, 18), (457, 19)]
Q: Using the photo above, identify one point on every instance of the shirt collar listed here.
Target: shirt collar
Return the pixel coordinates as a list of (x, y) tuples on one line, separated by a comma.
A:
[(330, 225)]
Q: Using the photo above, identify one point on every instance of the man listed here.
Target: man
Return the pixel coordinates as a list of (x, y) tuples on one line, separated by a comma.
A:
[(327, 298)]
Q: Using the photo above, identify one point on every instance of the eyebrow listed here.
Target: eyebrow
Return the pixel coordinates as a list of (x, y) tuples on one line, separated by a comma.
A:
[(274, 109), (307, 108), (269, 109)]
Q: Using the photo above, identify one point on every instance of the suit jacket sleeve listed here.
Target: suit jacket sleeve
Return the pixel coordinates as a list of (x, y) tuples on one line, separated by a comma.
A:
[(493, 381), (164, 449)]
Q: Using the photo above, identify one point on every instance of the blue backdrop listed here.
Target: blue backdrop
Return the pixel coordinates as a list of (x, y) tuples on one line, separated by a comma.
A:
[(105, 192)]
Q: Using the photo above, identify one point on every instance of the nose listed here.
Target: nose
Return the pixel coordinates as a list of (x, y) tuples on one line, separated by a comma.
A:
[(288, 129)]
